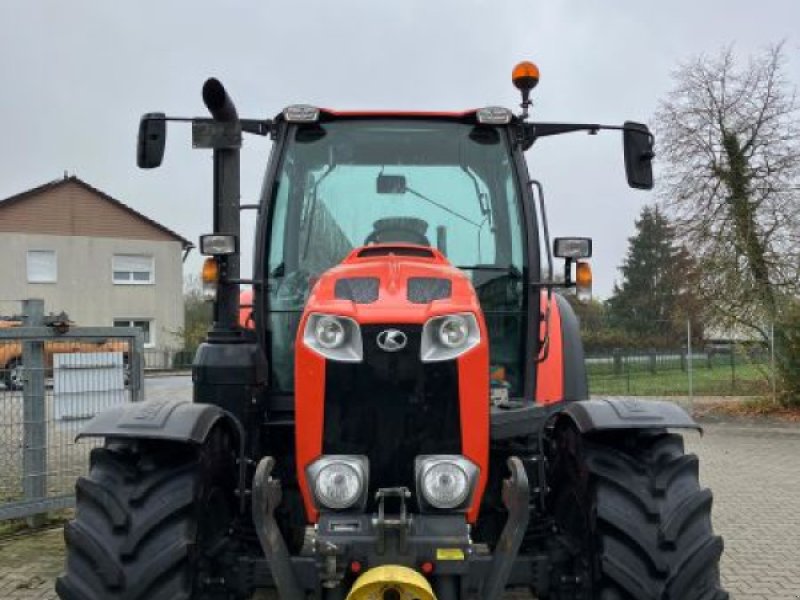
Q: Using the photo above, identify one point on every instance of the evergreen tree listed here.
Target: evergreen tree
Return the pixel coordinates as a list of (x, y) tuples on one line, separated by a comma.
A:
[(656, 294)]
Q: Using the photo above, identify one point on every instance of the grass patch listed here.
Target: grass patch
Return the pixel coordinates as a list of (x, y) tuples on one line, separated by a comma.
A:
[(639, 380)]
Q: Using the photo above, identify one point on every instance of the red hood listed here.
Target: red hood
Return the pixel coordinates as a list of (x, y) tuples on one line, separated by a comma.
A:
[(393, 265)]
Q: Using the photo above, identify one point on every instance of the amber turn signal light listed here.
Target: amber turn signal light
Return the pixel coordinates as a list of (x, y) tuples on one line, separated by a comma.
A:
[(210, 270), (583, 281), (210, 278)]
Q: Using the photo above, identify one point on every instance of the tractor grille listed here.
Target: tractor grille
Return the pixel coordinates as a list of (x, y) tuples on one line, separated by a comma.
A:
[(392, 408)]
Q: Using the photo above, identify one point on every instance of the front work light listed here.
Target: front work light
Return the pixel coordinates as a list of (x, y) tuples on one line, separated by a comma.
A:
[(493, 115), (333, 337), (217, 244), (573, 248), (448, 337), (445, 482), (301, 113), (339, 482)]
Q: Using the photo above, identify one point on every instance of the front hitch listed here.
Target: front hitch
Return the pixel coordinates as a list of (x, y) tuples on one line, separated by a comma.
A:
[(266, 498)]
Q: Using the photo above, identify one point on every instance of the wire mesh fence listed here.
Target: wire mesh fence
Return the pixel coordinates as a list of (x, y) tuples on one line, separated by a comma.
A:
[(159, 359), (51, 383), (686, 359)]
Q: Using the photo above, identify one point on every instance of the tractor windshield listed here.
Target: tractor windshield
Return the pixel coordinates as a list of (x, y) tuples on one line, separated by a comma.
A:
[(349, 183)]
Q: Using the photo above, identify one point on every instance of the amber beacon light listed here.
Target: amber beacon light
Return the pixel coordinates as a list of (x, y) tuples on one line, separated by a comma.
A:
[(525, 77)]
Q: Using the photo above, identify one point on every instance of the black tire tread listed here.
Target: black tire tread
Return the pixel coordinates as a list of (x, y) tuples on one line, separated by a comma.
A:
[(134, 526), (647, 521), (662, 522)]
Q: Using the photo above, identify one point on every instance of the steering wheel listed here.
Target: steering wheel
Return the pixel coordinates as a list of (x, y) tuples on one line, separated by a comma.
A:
[(399, 229)]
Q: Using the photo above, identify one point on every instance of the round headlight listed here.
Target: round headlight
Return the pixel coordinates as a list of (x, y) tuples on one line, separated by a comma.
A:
[(329, 332), (453, 331), (445, 485), (338, 485)]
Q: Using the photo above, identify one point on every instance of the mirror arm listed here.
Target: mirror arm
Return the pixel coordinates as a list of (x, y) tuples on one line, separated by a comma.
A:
[(254, 126), (257, 126), (548, 129), (253, 282)]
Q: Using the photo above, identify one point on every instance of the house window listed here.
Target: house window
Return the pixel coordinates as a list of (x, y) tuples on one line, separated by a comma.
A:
[(42, 266), (144, 324), (132, 269)]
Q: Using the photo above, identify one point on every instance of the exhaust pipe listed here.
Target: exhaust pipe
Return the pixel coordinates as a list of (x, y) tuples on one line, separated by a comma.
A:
[(218, 101), (226, 214)]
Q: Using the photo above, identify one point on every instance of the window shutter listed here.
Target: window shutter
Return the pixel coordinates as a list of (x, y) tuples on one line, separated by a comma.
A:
[(42, 266), (133, 263)]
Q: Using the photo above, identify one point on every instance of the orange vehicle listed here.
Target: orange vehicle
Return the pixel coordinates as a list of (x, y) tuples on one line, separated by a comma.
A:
[(399, 408), (12, 367)]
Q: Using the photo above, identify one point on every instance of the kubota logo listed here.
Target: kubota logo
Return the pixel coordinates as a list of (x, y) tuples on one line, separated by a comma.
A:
[(392, 340)]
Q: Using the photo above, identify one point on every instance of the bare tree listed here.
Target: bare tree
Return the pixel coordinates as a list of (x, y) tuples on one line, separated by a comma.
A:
[(729, 139)]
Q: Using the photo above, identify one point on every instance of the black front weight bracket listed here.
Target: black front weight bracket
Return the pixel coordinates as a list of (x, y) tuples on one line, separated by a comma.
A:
[(516, 498), (266, 498)]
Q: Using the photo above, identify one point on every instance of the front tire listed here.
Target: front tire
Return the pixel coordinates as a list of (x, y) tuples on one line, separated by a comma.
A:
[(632, 505), (146, 517)]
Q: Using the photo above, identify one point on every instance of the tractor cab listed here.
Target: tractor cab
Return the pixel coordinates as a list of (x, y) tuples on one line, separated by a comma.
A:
[(413, 181)]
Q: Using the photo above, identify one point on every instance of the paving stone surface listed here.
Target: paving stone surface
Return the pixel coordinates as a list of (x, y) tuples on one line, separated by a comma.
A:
[(753, 470)]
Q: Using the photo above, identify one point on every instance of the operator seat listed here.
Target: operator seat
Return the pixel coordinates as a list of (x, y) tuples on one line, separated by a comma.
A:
[(409, 230)]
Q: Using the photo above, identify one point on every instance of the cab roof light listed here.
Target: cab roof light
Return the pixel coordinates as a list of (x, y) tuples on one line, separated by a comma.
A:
[(494, 115), (301, 113)]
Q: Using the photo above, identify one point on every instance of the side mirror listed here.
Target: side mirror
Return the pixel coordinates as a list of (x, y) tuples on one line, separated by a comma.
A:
[(151, 140), (639, 154), (572, 248), (391, 184)]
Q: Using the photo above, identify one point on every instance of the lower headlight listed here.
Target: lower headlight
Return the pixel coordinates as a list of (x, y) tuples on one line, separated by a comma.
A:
[(339, 482), (445, 482)]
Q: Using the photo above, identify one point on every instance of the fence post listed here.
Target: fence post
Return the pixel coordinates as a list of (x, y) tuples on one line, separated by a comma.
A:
[(772, 362), (617, 353), (34, 433), (136, 365), (689, 358), (652, 356)]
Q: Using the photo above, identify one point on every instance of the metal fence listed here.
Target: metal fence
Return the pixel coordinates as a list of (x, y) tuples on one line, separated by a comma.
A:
[(700, 362), (157, 359), (52, 379)]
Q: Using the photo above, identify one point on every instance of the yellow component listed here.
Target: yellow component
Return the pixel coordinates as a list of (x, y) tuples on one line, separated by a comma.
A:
[(210, 270), (449, 554), (525, 75), (409, 584), (583, 275), (583, 282)]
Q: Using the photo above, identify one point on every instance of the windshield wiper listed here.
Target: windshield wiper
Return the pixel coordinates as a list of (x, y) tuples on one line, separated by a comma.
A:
[(442, 206), (511, 270)]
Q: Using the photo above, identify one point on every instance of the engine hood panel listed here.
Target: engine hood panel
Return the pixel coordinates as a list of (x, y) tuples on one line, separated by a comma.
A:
[(397, 283)]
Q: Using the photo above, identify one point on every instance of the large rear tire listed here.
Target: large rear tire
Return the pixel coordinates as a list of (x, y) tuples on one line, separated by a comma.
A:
[(632, 504), (147, 517)]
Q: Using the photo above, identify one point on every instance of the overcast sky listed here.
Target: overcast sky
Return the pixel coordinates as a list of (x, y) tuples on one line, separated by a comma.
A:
[(76, 75)]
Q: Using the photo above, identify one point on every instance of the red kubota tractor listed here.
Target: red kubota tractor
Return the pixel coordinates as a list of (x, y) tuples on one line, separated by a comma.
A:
[(403, 412)]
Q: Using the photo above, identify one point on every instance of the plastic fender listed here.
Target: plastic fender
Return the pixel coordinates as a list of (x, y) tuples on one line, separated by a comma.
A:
[(174, 420), (604, 414)]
